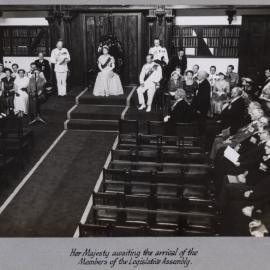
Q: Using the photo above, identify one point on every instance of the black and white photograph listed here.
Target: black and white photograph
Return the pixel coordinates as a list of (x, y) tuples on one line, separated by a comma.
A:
[(134, 120)]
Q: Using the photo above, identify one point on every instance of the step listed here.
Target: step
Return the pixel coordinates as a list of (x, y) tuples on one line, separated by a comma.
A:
[(97, 112), (88, 98), (134, 114), (84, 124)]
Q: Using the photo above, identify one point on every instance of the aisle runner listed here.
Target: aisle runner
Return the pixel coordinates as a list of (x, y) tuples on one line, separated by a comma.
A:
[(52, 201)]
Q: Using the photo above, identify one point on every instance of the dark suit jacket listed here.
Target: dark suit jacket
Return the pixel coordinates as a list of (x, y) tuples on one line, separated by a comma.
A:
[(180, 113), (44, 66), (252, 158), (201, 100), (233, 115), (177, 62)]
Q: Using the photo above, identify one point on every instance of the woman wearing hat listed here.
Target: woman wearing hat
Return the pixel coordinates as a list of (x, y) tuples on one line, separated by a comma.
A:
[(220, 94), (7, 92), (190, 86), (21, 99), (175, 82), (107, 83)]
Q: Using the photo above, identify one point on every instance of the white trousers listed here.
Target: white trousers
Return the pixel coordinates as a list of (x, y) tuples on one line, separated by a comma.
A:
[(61, 78), (151, 89)]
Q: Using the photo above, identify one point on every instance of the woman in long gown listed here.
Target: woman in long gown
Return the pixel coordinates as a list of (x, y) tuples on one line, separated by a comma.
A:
[(107, 83), (220, 94), (21, 99)]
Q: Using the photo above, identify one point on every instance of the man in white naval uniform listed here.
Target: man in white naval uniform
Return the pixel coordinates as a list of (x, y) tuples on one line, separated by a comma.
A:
[(150, 77), (160, 53), (60, 57)]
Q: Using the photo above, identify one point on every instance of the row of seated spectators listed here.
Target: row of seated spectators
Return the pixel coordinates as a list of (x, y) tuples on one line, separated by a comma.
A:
[(200, 96), (238, 142), (20, 91)]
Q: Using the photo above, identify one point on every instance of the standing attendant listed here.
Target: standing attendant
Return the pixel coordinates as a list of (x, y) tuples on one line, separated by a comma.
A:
[(60, 57), (36, 91), (150, 77), (201, 101), (179, 61), (159, 53), (43, 65)]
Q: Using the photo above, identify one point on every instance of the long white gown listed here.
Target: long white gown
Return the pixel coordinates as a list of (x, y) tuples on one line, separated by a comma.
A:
[(21, 102), (107, 83)]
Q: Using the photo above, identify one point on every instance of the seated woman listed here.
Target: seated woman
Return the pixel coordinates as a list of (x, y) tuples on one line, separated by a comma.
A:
[(179, 112), (7, 93), (220, 94), (107, 83), (174, 83), (21, 99), (190, 86), (36, 91)]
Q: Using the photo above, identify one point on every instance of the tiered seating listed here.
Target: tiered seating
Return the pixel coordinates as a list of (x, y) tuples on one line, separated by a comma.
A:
[(154, 185)]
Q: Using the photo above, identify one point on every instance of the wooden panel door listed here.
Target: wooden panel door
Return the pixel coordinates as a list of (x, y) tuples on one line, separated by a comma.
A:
[(254, 51), (126, 27)]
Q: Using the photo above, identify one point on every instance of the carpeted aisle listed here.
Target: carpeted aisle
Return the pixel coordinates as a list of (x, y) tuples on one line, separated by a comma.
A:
[(53, 200)]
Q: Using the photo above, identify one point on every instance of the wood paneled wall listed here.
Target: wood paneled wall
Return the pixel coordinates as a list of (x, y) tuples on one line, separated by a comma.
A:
[(254, 52), (88, 29)]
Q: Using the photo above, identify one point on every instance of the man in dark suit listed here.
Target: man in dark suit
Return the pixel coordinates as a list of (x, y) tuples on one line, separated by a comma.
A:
[(43, 65), (253, 167), (179, 61), (179, 112), (201, 100), (233, 113)]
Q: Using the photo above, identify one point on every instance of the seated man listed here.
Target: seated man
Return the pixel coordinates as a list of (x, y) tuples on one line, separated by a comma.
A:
[(232, 77), (241, 135), (233, 112), (150, 77), (259, 170)]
